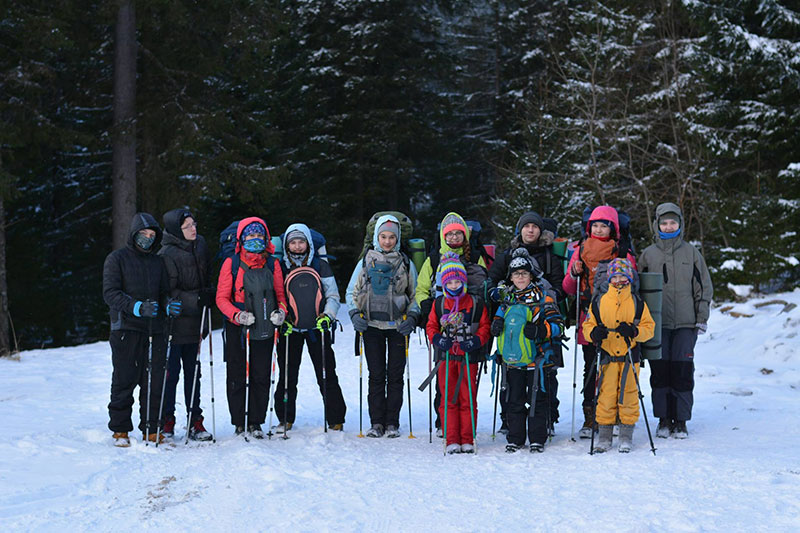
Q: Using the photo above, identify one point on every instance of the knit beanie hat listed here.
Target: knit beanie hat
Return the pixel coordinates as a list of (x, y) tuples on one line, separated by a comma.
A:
[(254, 227), (531, 217), (390, 225), (453, 222), (669, 216), (295, 234), (450, 268), (620, 267)]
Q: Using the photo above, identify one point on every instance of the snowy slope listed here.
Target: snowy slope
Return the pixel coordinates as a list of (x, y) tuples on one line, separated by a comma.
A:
[(739, 469)]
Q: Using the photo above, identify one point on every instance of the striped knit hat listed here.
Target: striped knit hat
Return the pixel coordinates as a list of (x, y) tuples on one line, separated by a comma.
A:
[(620, 267), (450, 268)]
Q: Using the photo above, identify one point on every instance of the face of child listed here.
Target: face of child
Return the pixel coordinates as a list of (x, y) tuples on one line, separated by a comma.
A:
[(668, 225), (521, 279), (189, 229), (601, 230), (454, 239), (530, 233), (618, 281), (387, 240), (454, 285), (298, 246)]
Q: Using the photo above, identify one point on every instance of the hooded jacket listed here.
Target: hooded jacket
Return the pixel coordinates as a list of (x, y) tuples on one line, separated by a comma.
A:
[(617, 306), (131, 274), (687, 283)]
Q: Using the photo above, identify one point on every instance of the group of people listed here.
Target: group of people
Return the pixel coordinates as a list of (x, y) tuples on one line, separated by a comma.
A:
[(274, 304)]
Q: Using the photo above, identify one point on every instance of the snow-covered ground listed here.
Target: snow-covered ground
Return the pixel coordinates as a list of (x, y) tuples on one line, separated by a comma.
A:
[(739, 469)]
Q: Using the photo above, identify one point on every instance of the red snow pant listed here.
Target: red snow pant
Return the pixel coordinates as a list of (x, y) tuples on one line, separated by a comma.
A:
[(459, 420)]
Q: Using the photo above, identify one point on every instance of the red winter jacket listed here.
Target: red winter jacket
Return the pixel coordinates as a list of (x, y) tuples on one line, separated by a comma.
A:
[(227, 298), (465, 304)]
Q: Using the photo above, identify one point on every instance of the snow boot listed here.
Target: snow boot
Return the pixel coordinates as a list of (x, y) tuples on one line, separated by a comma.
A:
[(376, 431), (453, 448), (255, 431), (467, 448), (625, 437), (121, 439), (664, 428), (197, 431), (282, 428), (588, 421), (537, 447), (392, 432), (169, 427), (512, 448), (679, 431), (604, 434), (152, 437), (238, 430), (336, 427)]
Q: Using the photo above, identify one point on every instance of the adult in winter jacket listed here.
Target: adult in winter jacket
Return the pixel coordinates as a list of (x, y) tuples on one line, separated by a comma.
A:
[(187, 260), (684, 311), (136, 290), (601, 245), (458, 328), (614, 328), (380, 296), (251, 297), (311, 315)]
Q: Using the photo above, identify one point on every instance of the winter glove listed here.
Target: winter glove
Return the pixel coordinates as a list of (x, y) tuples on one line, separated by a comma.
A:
[(406, 327), (245, 318), (501, 294), (701, 328), (277, 317), (146, 309), (442, 342), (174, 307), (323, 322), (497, 326), (471, 344), (286, 328), (576, 269), (359, 322), (205, 297), (535, 330), (599, 334), (629, 331)]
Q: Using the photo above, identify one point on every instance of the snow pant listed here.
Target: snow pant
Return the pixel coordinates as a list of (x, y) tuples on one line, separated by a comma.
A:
[(520, 389), (334, 400), (385, 350), (186, 355), (672, 376), (551, 397), (129, 355), (235, 361), (618, 394), (589, 374), (453, 377)]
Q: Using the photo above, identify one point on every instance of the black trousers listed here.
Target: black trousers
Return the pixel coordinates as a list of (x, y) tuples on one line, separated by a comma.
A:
[(129, 358), (335, 406), (520, 383), (385, 350), (235, 360), (182, 355), (672, 376)]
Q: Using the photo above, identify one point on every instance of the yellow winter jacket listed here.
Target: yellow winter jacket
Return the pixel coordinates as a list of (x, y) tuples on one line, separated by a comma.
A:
[(617, 306)]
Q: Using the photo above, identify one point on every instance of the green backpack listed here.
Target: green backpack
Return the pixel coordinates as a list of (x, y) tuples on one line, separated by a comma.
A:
[(512, 344)]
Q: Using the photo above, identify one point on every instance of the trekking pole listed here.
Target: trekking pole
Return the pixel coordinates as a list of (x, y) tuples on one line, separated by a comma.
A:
[(246, 382), (575, 357), (194, 384), (496, 395), (430, 395), (446, 399), (164, 382), (408, 387), (149, 377), (324, 384), (359, 336), (641, 400), (270, 399), (471, 406), (286, 388), (211, 368)]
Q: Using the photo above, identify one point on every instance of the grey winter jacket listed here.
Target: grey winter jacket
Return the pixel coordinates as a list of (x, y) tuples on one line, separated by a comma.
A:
[(687, 282)]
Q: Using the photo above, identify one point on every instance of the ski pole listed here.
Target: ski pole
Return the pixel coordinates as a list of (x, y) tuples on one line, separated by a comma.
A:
[(641, 399), (270, 399), (246, 382), (408, 387), (194, 384), (471, 405), (149, 376), (286, 388), (211, 368), (360, 386), (164, 383), (324, 383), (430, 396), (446, 399), (575, 357)]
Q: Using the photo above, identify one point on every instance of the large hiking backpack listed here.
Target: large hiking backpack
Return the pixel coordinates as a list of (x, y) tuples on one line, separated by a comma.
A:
[(304, 297), (625, 242), (383, 295), (406, 228), (515, 348)]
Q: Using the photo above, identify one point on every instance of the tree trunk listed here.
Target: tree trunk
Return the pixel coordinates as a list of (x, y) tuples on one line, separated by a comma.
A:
[(5, 341), (124, 133)]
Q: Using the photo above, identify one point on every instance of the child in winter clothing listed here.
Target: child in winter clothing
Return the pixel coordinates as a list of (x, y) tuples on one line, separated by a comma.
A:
[(601, 245), (250, 295), (619, 349), (136, 290), (299, 252), (382, 308), (458, 328), (188, 264), (527, 323), (684, 311)]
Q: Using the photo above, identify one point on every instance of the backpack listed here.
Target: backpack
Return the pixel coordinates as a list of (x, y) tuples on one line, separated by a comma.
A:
[(304, 296), (383, 295), (625, 242), (318, 240), (406, 228), (512, 344), (227, 248)]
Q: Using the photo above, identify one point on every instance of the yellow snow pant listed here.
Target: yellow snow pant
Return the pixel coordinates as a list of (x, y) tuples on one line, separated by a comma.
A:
[(618, 395)]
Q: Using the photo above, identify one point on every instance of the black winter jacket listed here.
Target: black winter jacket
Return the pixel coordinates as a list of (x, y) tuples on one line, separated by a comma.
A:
[(188, 266), (542, 252), (130, 275)]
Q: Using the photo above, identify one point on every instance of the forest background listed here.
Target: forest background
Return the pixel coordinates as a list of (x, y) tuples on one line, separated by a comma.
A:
[(327, 111)]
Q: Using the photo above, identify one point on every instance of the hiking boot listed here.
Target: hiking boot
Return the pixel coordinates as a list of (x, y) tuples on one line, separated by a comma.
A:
[(376, 431), (453, 448), (512, 448), (467, 448), (625, 437), (255, 431), (153, 437), (283, 427), (169, 427), (679, 431), (537, 447), (121, 439), (439, 433), (664, 428), (336, 427), (198, 432), (604, 434), (238, 430), (392, 432), (588, 421)]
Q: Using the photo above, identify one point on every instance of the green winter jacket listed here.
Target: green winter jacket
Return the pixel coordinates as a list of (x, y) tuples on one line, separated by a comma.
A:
[(687, 282)]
